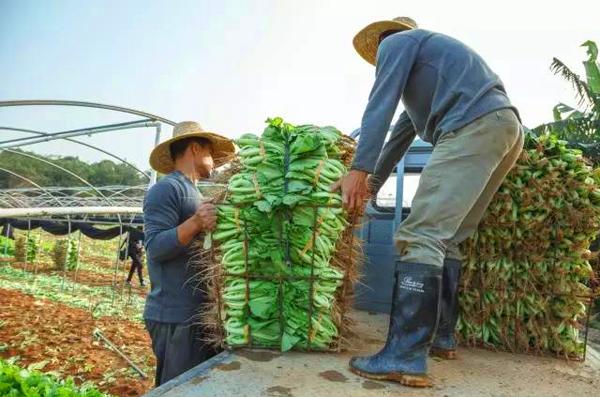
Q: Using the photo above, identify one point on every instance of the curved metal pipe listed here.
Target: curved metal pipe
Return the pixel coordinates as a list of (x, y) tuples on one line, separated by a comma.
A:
[(80, 143), (59, 102), (123, 196), (89, 131), (13, 199), (19, 199), (7, 203), (128, 188), (33, 183), (64, 170)]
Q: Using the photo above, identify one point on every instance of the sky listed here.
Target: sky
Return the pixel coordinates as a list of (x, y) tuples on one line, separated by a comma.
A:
[(231, 64)]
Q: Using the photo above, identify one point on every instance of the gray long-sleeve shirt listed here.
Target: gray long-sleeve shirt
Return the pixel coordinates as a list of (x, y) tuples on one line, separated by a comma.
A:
[(443, 84), (173, 297), (402, 136)]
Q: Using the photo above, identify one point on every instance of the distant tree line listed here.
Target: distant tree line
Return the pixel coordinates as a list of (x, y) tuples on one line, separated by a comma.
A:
[(101, 173)]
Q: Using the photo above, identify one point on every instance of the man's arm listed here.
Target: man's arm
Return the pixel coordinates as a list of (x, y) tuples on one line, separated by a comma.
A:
[(205, 219), (395, 58), (164, 238), (161, 215), (400, 140)]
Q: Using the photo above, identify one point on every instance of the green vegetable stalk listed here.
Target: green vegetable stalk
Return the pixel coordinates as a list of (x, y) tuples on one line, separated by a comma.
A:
[(526, 273), (64, 254), (26, 249), (278, 234)]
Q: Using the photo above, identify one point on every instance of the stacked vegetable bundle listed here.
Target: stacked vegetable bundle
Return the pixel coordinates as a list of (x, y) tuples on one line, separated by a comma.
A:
[(526, 269), (26, 249), (64, 254), (284, 257)]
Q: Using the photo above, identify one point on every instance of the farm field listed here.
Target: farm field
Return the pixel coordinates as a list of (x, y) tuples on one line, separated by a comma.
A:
[(49, 316)]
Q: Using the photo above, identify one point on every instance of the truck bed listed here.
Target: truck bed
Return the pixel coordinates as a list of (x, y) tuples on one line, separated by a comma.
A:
[(477, 372)]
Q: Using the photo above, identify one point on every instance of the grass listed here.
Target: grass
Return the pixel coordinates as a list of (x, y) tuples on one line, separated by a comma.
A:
[(100, 248), (123, 267)]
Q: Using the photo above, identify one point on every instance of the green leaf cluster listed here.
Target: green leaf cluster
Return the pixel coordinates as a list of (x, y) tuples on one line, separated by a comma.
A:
[(21, 382), (579, 124), (278, 230), (526, 274)]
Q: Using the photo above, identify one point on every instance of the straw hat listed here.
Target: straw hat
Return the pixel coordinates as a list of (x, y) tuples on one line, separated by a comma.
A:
[(160, 158), (367, 40)]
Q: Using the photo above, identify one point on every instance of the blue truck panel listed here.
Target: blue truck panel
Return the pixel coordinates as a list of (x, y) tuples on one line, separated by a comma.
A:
[(374, 291)]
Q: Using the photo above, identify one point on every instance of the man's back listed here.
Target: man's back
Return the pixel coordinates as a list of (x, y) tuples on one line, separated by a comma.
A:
[(448, 86), (443, 84)]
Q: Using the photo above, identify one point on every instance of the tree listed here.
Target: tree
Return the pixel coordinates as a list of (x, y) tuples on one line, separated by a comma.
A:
[(102, 173), (580, 124)]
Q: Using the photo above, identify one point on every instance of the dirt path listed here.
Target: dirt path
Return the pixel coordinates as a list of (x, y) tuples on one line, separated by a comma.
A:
[(41, 330)]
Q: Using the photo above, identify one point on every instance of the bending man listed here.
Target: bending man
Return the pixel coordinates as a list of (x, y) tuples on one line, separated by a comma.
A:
[(453, 100)]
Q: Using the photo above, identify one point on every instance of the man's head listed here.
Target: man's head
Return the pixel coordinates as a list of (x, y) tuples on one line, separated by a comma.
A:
[(368, 39), (193, 153), (200, 151)]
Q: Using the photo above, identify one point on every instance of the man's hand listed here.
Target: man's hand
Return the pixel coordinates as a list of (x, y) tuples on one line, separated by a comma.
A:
[(204, 220), (206, 217), (355, 191)]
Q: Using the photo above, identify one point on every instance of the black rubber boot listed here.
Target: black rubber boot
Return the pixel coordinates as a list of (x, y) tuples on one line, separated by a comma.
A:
[(413, 321), (444, 344)]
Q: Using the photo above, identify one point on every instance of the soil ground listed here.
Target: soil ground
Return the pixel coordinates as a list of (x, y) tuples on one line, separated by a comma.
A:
[(38, 330)]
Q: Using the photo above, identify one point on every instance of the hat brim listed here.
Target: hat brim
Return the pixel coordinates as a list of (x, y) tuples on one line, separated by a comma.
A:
[(367, 40), (223, 151)]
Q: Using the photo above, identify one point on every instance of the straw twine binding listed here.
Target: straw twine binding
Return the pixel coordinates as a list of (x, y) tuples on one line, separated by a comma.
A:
[(209, 278)]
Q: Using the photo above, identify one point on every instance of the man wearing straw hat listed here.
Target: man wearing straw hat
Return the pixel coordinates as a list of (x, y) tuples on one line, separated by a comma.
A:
[(174, 216), (453, 100)]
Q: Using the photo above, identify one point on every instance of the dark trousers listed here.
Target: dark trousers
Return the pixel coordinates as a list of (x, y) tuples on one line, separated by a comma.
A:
[(177, 347), (136, 264)]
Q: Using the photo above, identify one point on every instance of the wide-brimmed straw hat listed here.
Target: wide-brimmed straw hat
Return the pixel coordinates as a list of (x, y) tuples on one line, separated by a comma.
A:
[(367, 40), (160, 158)]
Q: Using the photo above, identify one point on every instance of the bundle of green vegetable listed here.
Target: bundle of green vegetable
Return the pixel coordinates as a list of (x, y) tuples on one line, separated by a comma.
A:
[(7, 246), (284, 250), (524, 285), (26, 249), (17, 382), (64, 254)]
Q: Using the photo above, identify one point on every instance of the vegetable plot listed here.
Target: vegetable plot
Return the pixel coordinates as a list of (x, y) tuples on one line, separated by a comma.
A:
[(524, 284), (15, 381), (285, 257)]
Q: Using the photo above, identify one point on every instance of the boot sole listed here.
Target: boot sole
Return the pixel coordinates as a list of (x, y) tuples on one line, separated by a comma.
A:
[(403, 379), (441, 353)]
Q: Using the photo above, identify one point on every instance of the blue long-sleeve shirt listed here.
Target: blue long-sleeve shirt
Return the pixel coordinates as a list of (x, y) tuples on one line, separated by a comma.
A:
[(173, 297), (443, 84)]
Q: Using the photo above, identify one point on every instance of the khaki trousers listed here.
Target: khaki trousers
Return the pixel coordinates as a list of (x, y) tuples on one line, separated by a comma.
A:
[(465, 170)]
